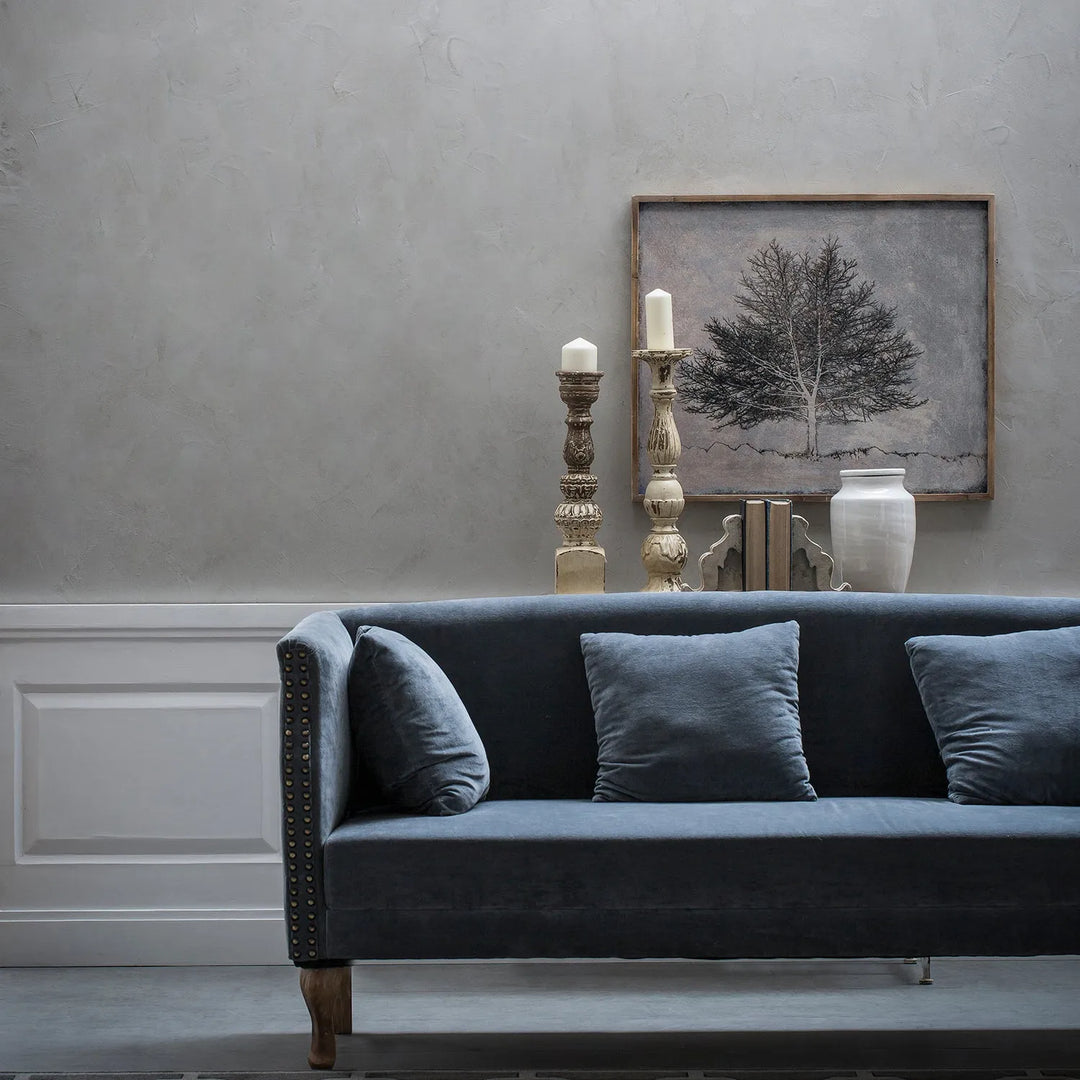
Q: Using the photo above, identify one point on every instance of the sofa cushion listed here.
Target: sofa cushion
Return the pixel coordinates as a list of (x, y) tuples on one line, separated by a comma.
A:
[(410, 728), (573, 877), (1005, 710), (697, 718)]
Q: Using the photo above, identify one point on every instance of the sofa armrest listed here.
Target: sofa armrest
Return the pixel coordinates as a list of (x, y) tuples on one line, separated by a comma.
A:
[(316, 764)]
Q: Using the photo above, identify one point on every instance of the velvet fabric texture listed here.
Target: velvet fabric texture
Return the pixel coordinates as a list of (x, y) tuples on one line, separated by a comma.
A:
[(880, 865), (1005, 710), (697, 718), (411, 729), (834, 877)]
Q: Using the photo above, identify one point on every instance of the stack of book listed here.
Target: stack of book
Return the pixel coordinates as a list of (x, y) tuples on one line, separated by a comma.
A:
[(766, 538)]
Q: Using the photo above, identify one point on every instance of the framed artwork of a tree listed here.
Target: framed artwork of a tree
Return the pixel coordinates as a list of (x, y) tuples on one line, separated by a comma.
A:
[(828, 332)]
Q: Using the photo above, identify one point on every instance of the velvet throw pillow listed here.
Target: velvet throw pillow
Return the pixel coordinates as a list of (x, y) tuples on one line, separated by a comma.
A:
[(1005, 711), (411, 729), (702, 718)]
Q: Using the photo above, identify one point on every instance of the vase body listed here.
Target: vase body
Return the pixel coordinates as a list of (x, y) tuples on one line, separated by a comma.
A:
[(872, 521)]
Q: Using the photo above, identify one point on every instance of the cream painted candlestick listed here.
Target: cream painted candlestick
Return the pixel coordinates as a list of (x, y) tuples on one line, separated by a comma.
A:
[(580, 564), (663, 551)]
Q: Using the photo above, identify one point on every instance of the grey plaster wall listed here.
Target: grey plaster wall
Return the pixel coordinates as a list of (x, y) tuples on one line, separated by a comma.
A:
[(283, 284)]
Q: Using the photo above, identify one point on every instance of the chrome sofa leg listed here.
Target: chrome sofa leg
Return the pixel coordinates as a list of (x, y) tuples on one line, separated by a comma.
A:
[(925, 978), (328, 995)]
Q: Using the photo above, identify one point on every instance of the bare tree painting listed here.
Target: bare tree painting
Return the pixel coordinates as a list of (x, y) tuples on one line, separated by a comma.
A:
[(810, 344), (827, 332)]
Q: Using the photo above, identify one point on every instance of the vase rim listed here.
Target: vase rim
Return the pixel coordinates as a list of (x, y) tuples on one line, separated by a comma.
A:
[(872, 472)]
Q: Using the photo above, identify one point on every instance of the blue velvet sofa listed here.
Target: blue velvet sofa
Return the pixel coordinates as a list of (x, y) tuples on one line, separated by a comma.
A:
[(882, 864)]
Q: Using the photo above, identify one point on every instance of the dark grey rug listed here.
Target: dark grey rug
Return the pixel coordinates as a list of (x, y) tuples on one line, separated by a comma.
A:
[(585, 1074)]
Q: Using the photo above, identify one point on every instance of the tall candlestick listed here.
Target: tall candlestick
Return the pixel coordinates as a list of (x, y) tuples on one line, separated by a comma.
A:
[(663, 551), (659, 328), (579, 355), (580, 562)]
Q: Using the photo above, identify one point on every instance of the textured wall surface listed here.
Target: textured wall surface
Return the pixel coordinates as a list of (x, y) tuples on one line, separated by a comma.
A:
[(283, 285)]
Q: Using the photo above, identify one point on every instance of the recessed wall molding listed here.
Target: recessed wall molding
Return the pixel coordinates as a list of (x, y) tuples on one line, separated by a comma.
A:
[(139, 751)]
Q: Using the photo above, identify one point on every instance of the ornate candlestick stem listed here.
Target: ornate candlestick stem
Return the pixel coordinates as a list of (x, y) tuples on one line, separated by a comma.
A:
[(663, 551), (580, 563)]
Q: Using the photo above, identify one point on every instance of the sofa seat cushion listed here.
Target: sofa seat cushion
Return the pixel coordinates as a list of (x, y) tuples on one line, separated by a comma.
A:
[(847, 876)]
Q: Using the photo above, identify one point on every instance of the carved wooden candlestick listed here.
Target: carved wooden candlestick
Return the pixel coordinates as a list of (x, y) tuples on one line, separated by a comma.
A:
[(580, 563), (663, 551)]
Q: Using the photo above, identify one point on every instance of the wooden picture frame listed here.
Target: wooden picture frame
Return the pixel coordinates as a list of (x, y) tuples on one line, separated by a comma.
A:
[(893, 293)]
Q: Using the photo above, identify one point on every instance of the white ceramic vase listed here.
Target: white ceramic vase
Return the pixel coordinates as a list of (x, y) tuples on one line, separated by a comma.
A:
[(872, 520)]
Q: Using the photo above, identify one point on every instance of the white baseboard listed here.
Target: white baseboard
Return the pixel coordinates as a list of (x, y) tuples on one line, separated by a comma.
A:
[(156, 938)]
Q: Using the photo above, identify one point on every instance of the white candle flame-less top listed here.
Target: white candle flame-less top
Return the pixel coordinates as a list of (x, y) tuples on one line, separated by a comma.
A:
[(659, 332), (579, 355)]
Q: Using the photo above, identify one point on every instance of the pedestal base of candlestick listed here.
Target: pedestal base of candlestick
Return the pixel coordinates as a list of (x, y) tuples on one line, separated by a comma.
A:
[(580, 570), (664, 555)]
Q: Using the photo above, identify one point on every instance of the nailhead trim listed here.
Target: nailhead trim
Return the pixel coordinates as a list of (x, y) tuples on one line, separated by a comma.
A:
[(299, 861)]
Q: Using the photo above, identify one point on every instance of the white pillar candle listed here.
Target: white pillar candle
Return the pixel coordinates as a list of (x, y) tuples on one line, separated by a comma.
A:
[(659, 332), (579, 355)]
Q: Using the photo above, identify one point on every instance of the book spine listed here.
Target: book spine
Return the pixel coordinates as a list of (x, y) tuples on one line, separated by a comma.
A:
[(755, 565), (778, 542)]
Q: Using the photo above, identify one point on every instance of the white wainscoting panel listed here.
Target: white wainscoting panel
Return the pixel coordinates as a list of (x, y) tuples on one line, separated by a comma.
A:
[(139, 788)]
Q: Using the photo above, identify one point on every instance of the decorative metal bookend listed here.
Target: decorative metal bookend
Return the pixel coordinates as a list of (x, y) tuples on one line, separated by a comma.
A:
[(664, 550), (580, 564), (812, 567), (721, 565)]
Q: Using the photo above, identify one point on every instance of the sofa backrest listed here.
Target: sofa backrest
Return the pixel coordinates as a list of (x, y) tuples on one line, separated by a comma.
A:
[(517, 664)]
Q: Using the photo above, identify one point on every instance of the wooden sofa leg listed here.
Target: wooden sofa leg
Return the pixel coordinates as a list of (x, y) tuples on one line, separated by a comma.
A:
[(328, 995)]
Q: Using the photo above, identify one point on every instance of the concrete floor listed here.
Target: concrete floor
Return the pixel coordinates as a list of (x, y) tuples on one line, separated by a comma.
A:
[(829, 1014)]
